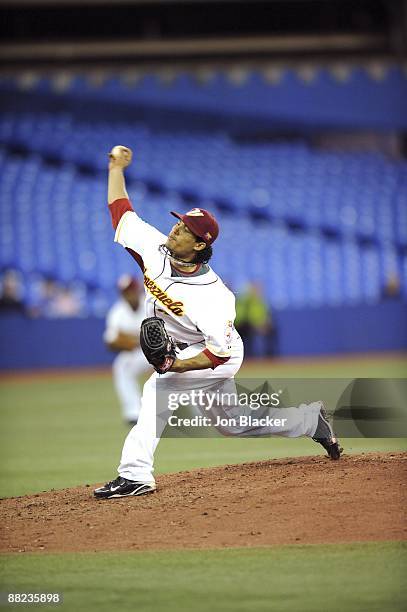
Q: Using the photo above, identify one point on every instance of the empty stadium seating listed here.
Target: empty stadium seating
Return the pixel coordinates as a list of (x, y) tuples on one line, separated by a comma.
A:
[(314, 228)]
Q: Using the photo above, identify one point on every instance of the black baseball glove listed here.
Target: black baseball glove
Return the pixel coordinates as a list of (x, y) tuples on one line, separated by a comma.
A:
[(157, 346)]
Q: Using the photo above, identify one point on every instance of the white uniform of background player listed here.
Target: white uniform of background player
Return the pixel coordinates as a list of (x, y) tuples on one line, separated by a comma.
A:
[(198, 311), (122, 330)]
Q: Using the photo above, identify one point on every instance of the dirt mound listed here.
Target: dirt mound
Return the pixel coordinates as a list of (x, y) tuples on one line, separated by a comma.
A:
[(299, 500)]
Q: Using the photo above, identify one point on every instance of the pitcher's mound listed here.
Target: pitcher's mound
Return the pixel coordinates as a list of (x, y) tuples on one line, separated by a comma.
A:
[(287, 501)]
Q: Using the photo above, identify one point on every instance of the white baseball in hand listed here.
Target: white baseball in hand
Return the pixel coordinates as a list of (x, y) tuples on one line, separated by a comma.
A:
[(121, 155)]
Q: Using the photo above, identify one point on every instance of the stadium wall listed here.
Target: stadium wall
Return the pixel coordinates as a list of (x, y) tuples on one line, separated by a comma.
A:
[(41, 343)]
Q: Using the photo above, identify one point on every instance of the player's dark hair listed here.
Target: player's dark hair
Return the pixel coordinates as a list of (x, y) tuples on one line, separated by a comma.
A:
[(204, 255)]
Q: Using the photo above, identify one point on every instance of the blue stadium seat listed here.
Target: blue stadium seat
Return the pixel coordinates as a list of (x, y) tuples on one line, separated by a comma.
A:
[(291, 217)]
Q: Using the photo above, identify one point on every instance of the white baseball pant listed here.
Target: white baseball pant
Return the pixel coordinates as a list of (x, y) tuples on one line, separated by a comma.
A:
[(127, 366), (138, 451)]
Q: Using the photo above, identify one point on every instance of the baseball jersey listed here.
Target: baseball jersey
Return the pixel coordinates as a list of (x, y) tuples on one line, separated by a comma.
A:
[(122, 318), (197, 310)]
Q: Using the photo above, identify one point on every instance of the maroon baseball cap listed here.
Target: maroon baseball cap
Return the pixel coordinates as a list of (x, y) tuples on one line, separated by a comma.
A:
[(201, 222)]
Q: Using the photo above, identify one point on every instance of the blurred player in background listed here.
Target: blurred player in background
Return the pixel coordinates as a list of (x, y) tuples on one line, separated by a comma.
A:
[(253, 321), (11, 301), (122, 336)]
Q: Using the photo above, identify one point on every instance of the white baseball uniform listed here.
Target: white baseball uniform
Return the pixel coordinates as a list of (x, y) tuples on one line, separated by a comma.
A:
[(198, 311), (127, 365)]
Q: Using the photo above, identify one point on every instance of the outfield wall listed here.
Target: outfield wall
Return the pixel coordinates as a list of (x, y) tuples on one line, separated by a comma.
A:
[(44, 343)]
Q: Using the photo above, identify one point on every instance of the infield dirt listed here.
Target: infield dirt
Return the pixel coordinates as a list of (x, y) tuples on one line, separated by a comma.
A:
[(287, 501)]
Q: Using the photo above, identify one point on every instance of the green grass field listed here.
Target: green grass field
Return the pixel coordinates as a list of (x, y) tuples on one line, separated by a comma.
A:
[(63, 431), (66, 430), (355, 578)]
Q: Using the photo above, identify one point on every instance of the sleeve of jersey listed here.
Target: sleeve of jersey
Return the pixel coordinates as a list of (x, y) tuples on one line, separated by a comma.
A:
[(134, 234), (216, 361), (217, 334), (117, 210)]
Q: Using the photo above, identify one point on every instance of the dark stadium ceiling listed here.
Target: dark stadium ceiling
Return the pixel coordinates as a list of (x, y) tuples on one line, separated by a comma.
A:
[(141, 2), (71, 32)]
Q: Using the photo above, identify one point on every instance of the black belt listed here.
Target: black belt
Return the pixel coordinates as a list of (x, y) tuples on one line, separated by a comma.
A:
[(182, 345)]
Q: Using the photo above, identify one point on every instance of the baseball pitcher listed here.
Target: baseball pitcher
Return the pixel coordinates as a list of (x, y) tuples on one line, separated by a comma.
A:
[(189, 332)]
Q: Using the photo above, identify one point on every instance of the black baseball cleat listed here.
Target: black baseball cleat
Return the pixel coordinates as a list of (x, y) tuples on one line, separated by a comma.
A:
[(121, 487), (325, 436)]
